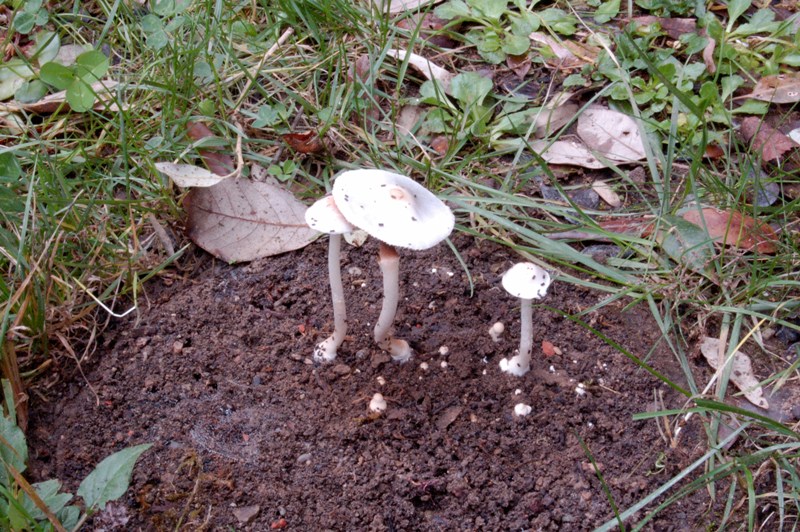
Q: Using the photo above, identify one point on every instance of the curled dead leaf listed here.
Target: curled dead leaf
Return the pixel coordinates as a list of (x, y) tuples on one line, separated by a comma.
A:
[(741, 372), (427, 69), (305, 142), (612, 134), (604, 191)]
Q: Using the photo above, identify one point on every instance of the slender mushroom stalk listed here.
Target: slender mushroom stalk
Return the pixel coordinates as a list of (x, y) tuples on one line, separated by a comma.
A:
[(399, 212), (526, 281), (325, 217), (389, 261)]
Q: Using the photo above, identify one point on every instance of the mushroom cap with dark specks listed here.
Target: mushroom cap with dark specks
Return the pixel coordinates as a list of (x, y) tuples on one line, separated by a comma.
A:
[(526, 280), (323, 216), (393, 208)]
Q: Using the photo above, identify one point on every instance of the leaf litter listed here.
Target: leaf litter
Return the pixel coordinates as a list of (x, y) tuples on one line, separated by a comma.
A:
[(741, 375)]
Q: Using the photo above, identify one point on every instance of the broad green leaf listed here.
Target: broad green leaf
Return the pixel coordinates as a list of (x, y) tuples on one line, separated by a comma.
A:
[(515, 44), (151, 24), (687, 244), (48, 491), (91, 66), (491, 9), (470, 88), (455, 9), (559, 21), (791, 60), (762, 21), (729, 85), (56, 75), (31, 91), (24, 22), (9, 166), (164, 8), (69, 517), (752, 107), (606, 11), (111, 477), (735, 10), (13, 450), (80, 96), (13, 75), (157, 40), (437, 120)]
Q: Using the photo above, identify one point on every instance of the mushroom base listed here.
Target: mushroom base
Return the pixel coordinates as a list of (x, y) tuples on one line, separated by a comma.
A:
[(399, 349), (325, 351), (518, 365)]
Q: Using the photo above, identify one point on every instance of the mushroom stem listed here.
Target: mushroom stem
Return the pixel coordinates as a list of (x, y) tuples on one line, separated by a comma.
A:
[(520, 364), (389, 261), (326, 350)]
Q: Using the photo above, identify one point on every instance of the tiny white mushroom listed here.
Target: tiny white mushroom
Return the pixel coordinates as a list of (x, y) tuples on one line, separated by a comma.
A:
[(377, 403), (323, 216), (521, 409), (496, 331), (526, 281), (399, 212)]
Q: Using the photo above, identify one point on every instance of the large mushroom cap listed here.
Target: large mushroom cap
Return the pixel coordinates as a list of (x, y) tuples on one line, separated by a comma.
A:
[(393, 208), (323, 216), (526, 280)]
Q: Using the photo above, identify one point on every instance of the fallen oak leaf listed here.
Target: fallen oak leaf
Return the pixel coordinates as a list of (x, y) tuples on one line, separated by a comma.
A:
[(734, 229)]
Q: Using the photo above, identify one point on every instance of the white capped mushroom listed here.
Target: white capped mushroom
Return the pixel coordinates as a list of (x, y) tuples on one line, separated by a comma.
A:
[(323, 216), (377, 403), (526, 281), (399, 212)]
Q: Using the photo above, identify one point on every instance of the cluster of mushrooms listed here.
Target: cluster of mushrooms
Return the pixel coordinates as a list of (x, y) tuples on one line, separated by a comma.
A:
[(401, 213)]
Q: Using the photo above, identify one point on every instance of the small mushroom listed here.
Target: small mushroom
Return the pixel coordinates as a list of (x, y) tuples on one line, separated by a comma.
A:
[(496, 331), (399, 212), (323, 216), (526, 281)]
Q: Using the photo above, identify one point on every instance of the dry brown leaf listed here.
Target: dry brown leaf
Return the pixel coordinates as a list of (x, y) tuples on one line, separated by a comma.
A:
[(189, 175), (519, 64), (741, 372), (217, 162), (440, 144), (778, 88), (427, 69), (568, 150), (770, 143), (673, 27), (429, 27), (734, 229), (604, 191), (612, 134), (714, 151), (305, 142), (551, 120), (708, 53), (239, 220), (564, 55)]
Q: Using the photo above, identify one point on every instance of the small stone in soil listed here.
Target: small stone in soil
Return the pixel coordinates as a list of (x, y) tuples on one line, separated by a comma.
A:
[(246, 514)]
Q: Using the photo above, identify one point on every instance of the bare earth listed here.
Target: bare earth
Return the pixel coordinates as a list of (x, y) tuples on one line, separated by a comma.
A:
[(248, 434)]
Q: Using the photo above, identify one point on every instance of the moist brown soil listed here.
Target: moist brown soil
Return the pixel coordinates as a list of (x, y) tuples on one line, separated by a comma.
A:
[(216, 372)]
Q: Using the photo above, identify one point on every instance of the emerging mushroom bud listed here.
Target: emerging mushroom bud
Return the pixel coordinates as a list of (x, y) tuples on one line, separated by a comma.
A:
[(526, 281), (377, 403), (496, 331)]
